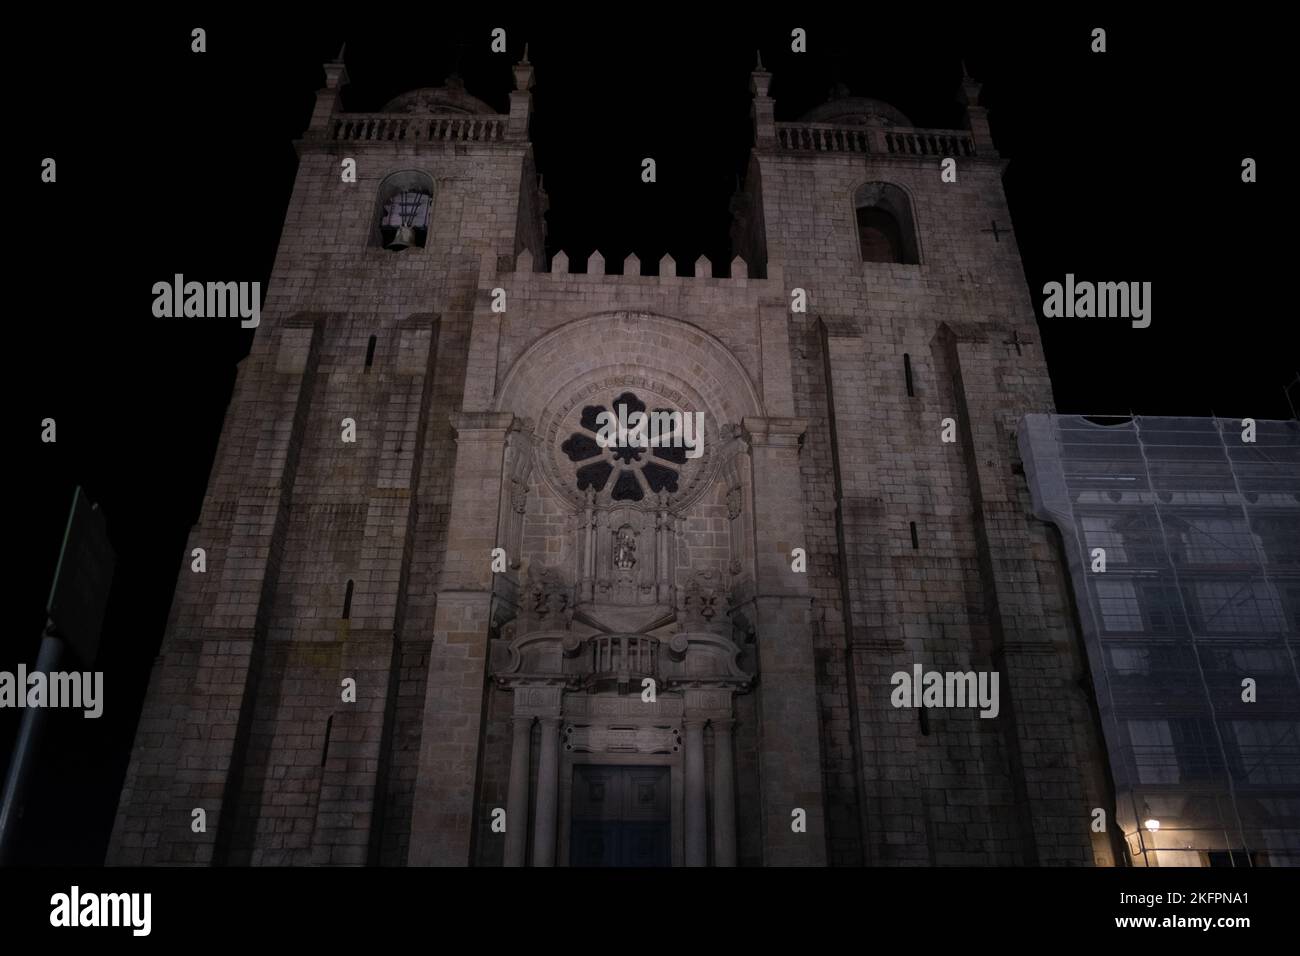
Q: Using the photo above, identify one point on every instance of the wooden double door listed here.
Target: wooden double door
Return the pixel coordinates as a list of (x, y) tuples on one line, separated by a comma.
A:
[(621, 816)]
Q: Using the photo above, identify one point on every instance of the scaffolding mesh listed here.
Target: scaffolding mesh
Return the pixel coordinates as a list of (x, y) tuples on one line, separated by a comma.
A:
[(1191, 628)]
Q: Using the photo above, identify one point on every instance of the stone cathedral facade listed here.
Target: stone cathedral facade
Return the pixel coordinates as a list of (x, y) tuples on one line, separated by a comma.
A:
[(675, 658)]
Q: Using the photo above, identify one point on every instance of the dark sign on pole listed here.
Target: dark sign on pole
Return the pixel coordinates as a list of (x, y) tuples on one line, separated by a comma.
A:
[(82, 579)]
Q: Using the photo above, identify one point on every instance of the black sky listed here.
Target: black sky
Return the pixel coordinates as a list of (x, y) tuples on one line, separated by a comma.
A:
[(1123, 166)]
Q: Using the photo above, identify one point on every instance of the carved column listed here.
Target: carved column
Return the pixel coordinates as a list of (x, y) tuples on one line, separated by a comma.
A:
[(548, 785), (696, 822), (735, 532), (724, 795), (517, 798), (663, 535), (586, 543)]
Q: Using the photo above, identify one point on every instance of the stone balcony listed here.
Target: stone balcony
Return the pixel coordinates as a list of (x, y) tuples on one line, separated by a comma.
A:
[(621, 661)]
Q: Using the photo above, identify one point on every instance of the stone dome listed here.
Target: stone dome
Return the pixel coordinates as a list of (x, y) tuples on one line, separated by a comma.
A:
[(448, 98), (844, 110)]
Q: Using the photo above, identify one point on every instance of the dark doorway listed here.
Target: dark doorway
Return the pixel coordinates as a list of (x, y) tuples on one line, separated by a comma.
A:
[(620, 816)]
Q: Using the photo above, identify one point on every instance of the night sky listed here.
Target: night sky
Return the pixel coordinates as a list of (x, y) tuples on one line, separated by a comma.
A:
[(1124, 166)]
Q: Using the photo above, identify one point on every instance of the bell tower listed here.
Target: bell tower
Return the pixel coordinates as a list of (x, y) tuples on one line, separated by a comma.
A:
[(918, 316), (325, 517)]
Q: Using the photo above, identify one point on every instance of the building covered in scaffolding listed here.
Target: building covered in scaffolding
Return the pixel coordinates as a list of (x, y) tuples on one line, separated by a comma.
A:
[(1182, 538)]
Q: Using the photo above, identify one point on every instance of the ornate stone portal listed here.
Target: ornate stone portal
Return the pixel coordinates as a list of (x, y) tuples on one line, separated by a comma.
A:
[(617, 636)]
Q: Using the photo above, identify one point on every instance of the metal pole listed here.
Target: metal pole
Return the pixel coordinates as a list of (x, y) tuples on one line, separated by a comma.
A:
[(29, 734)]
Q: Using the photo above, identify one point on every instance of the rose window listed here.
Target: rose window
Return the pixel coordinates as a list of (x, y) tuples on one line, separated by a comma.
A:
[(639, 457)]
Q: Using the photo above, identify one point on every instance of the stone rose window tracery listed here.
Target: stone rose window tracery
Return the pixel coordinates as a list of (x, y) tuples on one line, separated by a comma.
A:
[(636, 462)]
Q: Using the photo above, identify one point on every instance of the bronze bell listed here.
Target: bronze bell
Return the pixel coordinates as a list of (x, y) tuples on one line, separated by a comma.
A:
[(404, 237)]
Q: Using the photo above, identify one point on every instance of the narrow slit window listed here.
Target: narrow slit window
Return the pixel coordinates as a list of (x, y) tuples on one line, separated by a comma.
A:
[(325, 750), (907, 374), (347, 601), (370, 356), (916, 542)]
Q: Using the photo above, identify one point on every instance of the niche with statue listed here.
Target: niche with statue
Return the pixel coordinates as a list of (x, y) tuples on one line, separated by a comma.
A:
[(628, 562)]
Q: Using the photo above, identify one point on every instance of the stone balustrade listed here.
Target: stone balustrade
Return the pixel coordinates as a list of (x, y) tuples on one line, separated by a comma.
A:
[(929, 142), (824, 138), (622, 657), (392, 128), (810, 137)]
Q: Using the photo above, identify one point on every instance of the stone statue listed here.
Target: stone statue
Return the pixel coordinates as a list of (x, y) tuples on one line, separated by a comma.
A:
[(625, 549)]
